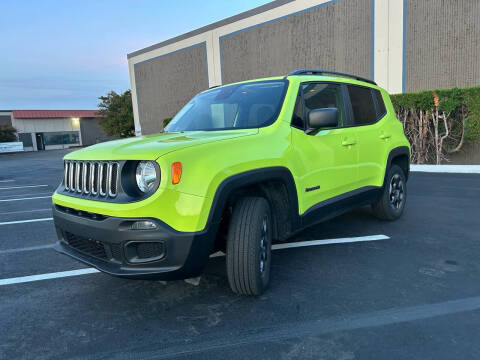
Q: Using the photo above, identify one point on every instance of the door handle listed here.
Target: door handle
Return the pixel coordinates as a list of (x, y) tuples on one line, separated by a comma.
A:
[(384, 136), (348, 142)]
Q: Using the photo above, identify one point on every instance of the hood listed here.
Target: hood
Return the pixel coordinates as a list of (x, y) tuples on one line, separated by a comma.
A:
[(151, 147)]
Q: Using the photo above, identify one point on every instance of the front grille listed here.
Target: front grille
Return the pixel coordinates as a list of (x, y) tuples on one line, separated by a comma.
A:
[(94, 178), (86, 245)]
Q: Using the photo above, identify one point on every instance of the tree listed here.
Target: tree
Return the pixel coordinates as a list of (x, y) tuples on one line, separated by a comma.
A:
[(7, 133), (116, 113)]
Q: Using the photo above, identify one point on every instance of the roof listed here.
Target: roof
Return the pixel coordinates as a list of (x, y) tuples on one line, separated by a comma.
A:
[(51, 114)]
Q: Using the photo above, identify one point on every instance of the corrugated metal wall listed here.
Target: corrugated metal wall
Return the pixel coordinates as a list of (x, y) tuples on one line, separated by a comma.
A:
[(92, 132), (442, 44), (166, 83), (336, 36)]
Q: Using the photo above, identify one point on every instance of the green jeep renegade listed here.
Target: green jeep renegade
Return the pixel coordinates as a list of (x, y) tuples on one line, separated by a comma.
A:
[(239, 167)]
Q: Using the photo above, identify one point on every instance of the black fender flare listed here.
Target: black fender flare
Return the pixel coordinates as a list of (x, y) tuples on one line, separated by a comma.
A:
[(401, 150), (252, 177)]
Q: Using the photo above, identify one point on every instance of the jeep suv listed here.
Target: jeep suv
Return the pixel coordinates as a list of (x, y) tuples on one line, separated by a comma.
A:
[(239, 167)]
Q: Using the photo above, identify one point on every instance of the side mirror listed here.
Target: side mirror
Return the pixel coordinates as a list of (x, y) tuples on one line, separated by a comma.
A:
[(322, 118)]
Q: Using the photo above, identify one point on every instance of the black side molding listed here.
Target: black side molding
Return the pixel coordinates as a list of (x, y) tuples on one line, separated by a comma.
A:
[(340, 204)]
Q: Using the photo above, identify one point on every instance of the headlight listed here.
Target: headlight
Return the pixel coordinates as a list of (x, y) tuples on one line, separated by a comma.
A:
[(146, 176)]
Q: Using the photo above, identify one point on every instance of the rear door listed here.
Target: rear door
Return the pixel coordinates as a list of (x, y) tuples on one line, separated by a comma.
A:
[(368, 110), (325, 160)]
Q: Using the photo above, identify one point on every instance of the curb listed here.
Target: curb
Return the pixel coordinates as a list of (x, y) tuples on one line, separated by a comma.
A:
[(453, 169)]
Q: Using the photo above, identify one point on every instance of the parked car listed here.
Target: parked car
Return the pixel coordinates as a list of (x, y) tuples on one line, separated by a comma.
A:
[(239, 167)]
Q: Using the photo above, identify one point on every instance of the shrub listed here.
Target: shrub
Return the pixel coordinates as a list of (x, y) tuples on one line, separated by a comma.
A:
[(7, 133), (439, 122)]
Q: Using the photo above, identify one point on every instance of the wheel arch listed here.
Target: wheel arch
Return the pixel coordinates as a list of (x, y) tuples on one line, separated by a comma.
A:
[(274, 183), (401, 157)]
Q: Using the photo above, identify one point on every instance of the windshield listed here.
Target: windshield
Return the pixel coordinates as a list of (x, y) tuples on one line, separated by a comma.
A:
[(239, 106)]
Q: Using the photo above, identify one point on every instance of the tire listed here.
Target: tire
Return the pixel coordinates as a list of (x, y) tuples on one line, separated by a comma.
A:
[(249, 242), (391, 204)]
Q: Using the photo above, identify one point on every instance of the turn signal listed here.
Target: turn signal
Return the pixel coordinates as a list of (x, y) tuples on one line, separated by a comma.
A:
[(176, 172)]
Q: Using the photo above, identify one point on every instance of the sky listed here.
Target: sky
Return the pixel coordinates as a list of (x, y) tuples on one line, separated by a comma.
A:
[(64, 54)]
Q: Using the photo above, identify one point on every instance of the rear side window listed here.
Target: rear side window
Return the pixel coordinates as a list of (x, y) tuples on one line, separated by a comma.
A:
[(381, 110), (363, 106)]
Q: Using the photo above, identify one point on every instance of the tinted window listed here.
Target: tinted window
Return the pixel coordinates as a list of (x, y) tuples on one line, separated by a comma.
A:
[(317, 96), (381, 110), (362, 105), (26, 139), (297, 118), (239, 106), (60, 138)]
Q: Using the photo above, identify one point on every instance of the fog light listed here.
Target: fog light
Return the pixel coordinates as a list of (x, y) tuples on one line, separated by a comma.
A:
[(143, 225)]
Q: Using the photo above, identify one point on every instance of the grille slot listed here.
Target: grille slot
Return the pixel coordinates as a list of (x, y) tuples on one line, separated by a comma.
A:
[(116, 252), (85, 245), (99, 178)]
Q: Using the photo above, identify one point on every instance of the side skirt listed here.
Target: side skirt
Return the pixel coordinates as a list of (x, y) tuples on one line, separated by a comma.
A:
[(338, 205)]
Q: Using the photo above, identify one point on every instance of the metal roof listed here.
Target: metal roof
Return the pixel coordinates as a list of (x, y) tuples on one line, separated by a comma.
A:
[(51, 114)]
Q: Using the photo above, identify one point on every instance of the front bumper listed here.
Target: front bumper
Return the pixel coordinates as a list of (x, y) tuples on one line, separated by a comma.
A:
[(108, 244)]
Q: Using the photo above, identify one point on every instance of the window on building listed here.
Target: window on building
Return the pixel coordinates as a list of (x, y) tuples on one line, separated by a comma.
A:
[(26, 139), (61, 138), (363, 106)]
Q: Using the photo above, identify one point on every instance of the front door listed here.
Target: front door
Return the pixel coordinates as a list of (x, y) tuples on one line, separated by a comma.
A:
[(326, 160), (40, 143)]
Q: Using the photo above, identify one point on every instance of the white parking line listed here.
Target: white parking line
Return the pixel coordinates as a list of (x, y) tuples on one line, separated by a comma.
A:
[(24, 221), (28, 194), (62, 274), (29, 198), (21, 187), (24, 211), (30, 248), (329, 241), (319, 242), (7, 180), (55, 275)]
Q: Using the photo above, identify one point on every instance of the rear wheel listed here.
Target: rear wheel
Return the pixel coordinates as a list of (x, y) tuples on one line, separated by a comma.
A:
[(392, 202), (249, 244)]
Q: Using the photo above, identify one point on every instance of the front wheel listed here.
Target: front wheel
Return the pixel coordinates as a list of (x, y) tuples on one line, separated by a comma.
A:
[(392, 202), (249, 242)]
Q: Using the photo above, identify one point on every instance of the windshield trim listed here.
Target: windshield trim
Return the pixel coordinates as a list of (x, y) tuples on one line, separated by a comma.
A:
[(274, 117)]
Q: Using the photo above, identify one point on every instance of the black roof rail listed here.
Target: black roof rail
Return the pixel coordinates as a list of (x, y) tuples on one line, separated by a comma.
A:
[(327, 72)]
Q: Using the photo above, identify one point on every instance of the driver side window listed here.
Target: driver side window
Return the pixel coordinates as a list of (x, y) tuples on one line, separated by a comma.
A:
[(317, 96)]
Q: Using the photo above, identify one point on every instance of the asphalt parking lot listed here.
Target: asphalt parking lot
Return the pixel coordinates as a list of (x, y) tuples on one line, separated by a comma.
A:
[(413, 295)]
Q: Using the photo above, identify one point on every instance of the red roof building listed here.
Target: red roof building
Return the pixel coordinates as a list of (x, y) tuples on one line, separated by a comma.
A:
[(52, 114), (55, 129)]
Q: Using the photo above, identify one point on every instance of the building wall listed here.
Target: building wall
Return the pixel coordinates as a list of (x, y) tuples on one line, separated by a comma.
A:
[(33, 126), (335, 35), (45, 125), (92, 132), (357, 36), (5, 118), (404, 45), (442, 47), (166, 83)]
